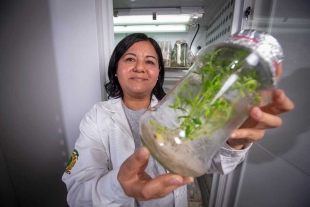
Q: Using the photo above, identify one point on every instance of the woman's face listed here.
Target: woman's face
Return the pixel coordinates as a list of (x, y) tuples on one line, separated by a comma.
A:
[(138, 70)]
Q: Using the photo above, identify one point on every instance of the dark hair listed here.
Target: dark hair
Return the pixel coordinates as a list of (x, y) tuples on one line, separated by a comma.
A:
[(113, 87)]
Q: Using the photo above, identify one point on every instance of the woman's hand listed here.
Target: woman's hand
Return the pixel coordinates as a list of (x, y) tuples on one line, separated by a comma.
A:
[(261, 119), (138, 184)]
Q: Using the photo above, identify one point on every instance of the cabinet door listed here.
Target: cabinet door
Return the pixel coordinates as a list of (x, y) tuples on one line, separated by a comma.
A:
[(276, 172), (258, 15)]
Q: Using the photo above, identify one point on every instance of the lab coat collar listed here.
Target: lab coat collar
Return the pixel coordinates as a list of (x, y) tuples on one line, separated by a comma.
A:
[(118, 114)]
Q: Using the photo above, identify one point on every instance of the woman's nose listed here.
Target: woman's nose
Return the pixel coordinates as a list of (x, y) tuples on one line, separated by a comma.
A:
[(139, 67)]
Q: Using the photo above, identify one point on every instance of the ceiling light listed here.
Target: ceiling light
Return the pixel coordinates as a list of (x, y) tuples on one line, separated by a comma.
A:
[(150, 28), (147, 19), (183, 15)]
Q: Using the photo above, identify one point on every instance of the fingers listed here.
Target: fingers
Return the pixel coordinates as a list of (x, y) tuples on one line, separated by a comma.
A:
[(264, 120), (132, 176), (138, 184), (162, 185), (261, 119), (247, 135), (135, 164), (283, 102), (239, 143), (254, 128), (243, 138), (187, 180), (258, 121), (280, 103)]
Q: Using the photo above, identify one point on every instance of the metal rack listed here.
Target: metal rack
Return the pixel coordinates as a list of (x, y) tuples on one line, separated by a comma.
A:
[(176, 68)]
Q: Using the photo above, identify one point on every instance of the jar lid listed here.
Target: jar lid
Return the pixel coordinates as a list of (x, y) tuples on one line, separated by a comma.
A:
[(180, 41), (264, 44)]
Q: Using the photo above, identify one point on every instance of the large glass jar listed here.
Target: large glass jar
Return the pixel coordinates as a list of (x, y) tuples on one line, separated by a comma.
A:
[(181, 55), (185, 129)]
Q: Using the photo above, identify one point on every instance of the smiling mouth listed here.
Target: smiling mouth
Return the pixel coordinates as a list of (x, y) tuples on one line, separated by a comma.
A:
[(138, 79)]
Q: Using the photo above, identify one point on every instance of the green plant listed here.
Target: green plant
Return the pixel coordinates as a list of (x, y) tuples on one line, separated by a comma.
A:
[(202, 113)]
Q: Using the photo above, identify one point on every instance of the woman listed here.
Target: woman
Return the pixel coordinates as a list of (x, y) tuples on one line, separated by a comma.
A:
[(109, 166)]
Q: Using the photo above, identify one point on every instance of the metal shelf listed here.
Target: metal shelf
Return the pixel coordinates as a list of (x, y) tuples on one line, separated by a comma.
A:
[(176, 68)]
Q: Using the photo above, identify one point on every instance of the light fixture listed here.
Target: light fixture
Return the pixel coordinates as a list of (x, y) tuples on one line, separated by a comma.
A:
[(155, 19), (150, 28), (147, 19)]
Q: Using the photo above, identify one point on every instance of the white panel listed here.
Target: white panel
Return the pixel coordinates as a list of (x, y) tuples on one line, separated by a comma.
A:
[(74, 29), (220, 26), (104, 12)]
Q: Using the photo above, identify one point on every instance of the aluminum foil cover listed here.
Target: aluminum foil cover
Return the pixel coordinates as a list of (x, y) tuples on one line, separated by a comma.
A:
[(262, 43)]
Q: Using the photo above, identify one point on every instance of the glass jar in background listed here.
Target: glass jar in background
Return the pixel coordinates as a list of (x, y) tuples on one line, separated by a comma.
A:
[(190, 58), (166, 51), (181, 55), (190, 124), (181, 49), (165, 47)]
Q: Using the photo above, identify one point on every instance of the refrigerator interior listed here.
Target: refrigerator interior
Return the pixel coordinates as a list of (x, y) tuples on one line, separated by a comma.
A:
[(215, 25), (276, 171)]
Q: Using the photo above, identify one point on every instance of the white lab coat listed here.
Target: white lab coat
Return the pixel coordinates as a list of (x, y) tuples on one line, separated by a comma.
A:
[(105, 142)]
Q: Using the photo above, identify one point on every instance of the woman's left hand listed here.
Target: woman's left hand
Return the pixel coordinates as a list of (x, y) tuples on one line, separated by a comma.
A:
[(259, 120)]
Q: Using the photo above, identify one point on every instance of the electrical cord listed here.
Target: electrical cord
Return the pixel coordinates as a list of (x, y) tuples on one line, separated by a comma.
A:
[(194, 36)]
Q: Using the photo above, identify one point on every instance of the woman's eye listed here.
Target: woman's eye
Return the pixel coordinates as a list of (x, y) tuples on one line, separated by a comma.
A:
[(150, 62), (130, 59)]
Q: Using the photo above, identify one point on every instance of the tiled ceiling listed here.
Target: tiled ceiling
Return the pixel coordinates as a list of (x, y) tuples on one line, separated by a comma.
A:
[(211, 7)]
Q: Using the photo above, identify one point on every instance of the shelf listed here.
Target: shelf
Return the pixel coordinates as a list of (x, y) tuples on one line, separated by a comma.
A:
[(176, 68)]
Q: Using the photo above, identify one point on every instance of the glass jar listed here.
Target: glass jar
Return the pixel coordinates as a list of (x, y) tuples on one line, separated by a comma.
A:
[(166, 51), (191, 123), (179, 54)]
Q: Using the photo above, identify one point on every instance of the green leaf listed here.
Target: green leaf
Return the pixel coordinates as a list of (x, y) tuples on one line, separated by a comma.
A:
[(197, 121), (187, 131)]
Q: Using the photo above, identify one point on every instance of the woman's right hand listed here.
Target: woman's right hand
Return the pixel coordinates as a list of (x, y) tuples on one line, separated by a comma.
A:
[(138, 184)]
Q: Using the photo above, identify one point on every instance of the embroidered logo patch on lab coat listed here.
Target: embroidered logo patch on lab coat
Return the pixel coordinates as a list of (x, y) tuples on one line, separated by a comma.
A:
[(72, 161)]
